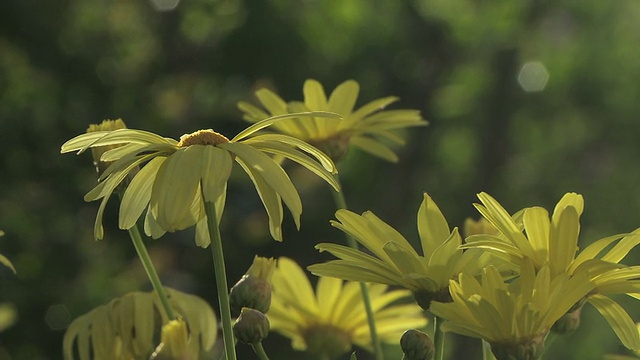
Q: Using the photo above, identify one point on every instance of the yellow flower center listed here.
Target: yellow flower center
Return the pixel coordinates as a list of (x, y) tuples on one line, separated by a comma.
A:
[(202, 137)]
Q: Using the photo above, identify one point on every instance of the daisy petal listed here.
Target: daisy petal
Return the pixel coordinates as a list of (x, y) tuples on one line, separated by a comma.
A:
[(272, 173)]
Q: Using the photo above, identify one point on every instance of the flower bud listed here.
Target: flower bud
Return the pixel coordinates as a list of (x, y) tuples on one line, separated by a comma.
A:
[(424, 298), (106, 125), (417, 345), (568, 323), (253, 290), (527, 349), (251, 327)]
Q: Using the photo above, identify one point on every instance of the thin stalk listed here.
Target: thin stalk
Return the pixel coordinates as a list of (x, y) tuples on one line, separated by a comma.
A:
[(259, 350), (438, 338), (486, 351), (221, 279), (134, 233), (341, 203)]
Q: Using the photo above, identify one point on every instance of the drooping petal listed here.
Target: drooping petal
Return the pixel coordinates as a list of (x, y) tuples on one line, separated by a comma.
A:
[(175, 187), (290, 153), (322, 158), (618, 319), (622, 248), (215, 170), (136, 197), (272, 174), (270, 199)]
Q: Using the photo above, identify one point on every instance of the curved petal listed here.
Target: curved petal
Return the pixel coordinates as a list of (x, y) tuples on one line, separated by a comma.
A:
[(136, 197), (271, 172), (290, 153), (215, 171), (618, 319), (270, 199), (175, 187)]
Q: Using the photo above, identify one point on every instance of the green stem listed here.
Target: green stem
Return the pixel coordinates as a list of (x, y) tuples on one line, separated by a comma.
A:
[(438, 338), (221, 280), (341, 203), (486, 351), (134, 233), (259, 350)]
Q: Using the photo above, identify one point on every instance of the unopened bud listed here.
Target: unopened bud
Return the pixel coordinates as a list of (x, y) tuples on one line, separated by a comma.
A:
[(424, 298), (417, 345), (527, 349), (253, 290), (251, 327), (568, 323)]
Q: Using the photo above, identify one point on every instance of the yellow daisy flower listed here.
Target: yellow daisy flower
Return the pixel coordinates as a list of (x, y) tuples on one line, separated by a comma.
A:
[(327, 322), (369, 128), (394, 260), (4, 261), (128, 328), (177, 177), (553, 241), (513, 317)]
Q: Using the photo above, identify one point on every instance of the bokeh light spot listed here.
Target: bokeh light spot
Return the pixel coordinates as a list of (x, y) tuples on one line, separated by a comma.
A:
[(58, 317), (533, 76), (164, 5)]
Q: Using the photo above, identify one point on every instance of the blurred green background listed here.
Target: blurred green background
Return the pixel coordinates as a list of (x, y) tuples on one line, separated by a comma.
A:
[(526, 100)]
